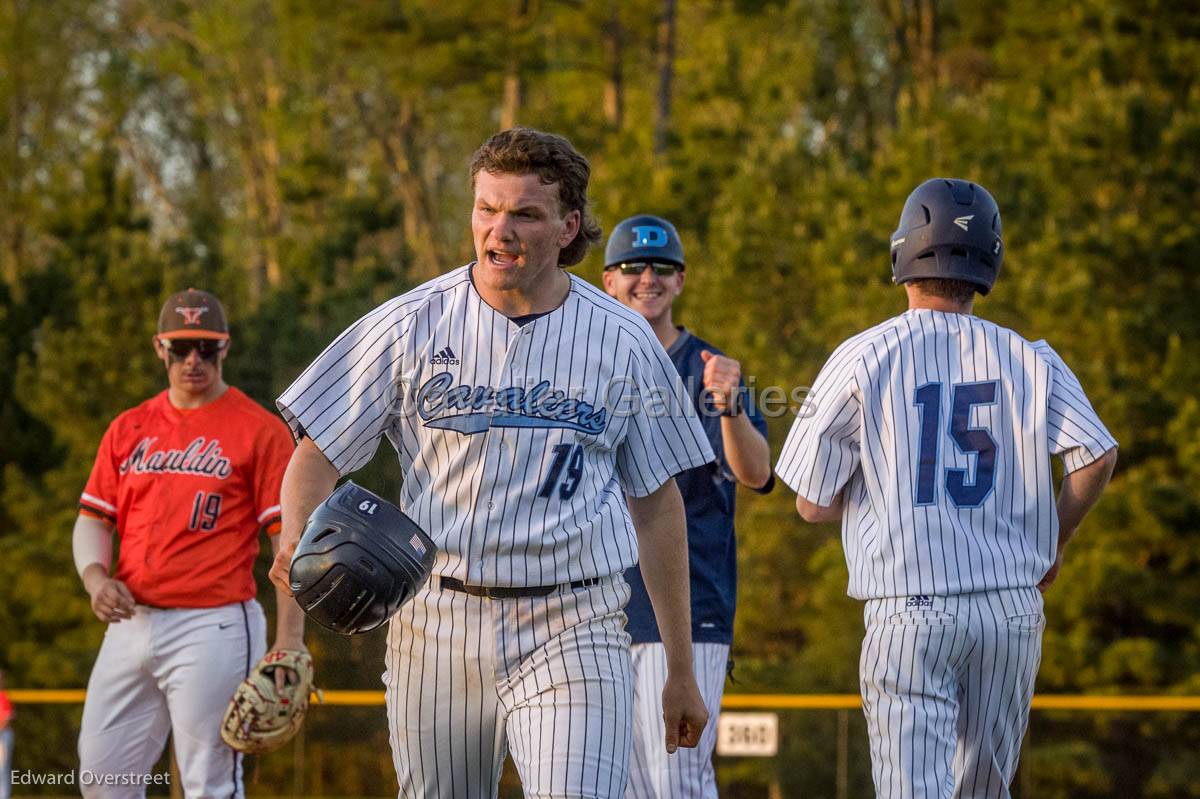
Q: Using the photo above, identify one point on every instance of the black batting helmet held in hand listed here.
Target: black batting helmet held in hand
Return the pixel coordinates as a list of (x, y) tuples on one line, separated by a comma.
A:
[(949, 229), (644, 238), (359, 559)]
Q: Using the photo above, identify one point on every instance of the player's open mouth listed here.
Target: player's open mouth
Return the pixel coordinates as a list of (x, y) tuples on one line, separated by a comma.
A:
[(503, 259), (647, 296)]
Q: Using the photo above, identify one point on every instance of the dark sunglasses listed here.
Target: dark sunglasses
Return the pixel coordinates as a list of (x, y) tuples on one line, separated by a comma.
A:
[(180, 348), (638, 267)]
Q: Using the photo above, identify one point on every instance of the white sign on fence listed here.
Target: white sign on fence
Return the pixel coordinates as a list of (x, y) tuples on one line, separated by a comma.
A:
[(748, 734)]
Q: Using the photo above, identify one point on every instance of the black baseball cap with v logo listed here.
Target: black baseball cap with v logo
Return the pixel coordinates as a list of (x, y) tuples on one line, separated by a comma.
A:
[(193, 314)]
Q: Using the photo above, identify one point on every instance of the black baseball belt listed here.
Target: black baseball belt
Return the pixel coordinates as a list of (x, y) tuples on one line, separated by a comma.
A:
[(511, 592)]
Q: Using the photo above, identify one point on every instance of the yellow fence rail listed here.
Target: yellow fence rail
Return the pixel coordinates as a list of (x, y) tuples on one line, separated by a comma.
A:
[(1186, 704)]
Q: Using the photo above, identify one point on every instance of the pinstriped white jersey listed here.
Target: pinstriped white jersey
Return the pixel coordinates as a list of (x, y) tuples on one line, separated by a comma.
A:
[(940, 427), (518, 443)]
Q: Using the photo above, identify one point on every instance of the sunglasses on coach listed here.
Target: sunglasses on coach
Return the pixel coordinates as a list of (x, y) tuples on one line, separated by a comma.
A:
[(180, 348), (638, 267)]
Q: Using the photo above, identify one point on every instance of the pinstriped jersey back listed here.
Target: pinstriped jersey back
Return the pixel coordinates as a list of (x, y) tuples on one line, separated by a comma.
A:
[(939, 428)]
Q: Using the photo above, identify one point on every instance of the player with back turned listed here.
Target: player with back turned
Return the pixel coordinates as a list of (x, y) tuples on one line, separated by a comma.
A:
[(931, 439), (514, 394), (644, 269), (187, 480)]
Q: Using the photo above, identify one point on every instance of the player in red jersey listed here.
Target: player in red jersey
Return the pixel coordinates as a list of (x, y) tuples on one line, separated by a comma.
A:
[(186, 479)]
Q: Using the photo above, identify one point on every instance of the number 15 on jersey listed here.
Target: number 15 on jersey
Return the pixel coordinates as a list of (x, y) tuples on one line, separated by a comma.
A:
[(977, 441)]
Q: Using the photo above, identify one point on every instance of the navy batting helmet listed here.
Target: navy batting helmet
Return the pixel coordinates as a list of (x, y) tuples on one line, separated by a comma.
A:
[(359, 559), (949, 229), (644, 238)]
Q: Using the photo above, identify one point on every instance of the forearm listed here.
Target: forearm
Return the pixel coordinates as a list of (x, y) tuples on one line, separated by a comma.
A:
[(289, 618), (92, 576), (309, 479), (91, 547), (662, 543), (746, 451), (815, 514), (1080, 491)]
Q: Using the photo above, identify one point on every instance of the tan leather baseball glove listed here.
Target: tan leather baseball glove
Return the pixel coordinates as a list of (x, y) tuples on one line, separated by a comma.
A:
[(259, 717)]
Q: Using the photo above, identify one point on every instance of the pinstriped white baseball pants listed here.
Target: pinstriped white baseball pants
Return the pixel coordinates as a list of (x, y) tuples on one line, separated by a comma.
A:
[(550, 677), (687, 774), (946, 686)]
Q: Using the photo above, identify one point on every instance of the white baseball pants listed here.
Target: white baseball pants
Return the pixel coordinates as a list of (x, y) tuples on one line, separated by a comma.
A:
[(689, 773), (468, 677), (946, 686), (168, 671)]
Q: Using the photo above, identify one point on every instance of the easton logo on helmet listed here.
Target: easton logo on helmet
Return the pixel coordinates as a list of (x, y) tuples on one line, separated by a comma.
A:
[(962, 221), (649, 236)]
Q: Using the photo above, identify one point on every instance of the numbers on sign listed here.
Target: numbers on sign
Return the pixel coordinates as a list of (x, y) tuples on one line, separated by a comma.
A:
[(748, 734), (755, 734)]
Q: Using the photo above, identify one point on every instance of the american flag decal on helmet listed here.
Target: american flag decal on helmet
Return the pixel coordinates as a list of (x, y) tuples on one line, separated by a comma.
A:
[(416, 544)]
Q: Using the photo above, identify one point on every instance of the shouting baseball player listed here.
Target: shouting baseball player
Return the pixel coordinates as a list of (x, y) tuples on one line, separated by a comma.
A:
[(525, 406), (187, 480), (931, 440), (644, 269)]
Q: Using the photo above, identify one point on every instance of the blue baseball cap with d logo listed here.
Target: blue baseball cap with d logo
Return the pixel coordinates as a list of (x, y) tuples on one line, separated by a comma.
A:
[(644, 238)]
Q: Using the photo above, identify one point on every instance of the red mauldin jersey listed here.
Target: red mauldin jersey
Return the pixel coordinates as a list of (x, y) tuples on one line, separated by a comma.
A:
[(188, 491)]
